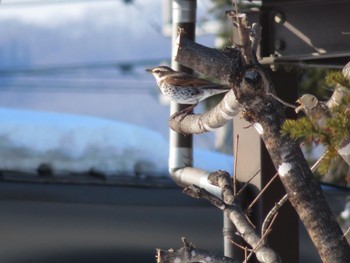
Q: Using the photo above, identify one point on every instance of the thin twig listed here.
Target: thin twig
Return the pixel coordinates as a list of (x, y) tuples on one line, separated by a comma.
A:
[(261, 240), (245, 254), (247, 182), (235, 168), (261, 192), (283, 200), (281, 101), (346, 232), (240, 246), (317, 163), (273, 212), (272, 221), (313, 168)]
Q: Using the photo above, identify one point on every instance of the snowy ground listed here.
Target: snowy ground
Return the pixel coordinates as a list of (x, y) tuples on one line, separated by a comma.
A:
[(77, 144)]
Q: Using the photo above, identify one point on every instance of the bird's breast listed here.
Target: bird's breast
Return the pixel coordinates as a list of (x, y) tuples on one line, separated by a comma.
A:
[(182, 95)]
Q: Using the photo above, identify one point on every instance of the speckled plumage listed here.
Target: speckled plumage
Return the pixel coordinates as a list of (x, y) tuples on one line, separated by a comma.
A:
[(184, 88)]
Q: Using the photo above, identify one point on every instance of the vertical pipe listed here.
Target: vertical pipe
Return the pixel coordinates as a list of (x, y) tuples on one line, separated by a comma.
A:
[(184, 17), (229, 235)]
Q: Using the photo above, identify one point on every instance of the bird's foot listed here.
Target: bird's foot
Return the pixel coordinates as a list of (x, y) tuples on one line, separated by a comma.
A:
[(183, 112)]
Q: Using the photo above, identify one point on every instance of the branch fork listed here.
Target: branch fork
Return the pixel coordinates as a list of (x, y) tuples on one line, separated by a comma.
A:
[(251, 86)]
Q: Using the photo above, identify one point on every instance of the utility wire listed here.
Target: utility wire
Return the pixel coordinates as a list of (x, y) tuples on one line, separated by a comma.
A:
[(123, 67), (22, 3)]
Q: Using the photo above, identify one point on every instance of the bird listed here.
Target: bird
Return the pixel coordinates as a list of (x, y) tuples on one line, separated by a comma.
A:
[(317, 111), (184, 88)]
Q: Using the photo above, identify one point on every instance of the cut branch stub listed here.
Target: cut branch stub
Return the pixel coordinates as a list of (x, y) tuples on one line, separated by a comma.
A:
[(206, 60)]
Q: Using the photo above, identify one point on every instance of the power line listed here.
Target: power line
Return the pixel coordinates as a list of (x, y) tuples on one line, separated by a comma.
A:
[(22, 3), (124, 67)]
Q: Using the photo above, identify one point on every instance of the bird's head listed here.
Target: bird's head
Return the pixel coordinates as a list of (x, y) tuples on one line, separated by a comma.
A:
[(307, 102), (159, 72)]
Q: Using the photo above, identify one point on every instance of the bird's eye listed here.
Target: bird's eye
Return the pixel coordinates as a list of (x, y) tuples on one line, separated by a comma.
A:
[(157, 71)]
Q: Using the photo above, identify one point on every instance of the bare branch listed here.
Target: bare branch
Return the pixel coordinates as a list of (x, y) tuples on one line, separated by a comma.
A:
[(210, 120), (347, 232), (238, 218), (266, 224), (255, 37), (235, 167), (222, 179), (281, 101), (204, 59), (196, 192), (261, 192), (263, 237), (263, 253), (281, 202)]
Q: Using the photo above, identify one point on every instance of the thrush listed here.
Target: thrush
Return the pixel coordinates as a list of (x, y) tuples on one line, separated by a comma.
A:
[(184, 88)]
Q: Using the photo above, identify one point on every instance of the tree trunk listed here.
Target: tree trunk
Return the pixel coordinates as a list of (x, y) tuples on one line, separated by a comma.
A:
[(252, 88)]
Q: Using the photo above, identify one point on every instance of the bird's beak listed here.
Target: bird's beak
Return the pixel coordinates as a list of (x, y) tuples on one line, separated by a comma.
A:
[(149, 70)]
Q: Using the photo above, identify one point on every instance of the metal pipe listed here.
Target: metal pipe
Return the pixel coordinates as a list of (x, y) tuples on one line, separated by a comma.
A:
[(181, 147), (184, 17), (180, 150)]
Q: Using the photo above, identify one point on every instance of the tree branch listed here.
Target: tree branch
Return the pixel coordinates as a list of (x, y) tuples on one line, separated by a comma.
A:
[(210, 120), (203, 58), (250, 85), (238, 218)]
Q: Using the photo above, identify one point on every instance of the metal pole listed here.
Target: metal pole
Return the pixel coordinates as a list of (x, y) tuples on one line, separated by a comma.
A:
[(184, 17), (181, 154)]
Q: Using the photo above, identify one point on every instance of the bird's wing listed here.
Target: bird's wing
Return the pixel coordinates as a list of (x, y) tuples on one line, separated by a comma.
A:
[(187, 80)]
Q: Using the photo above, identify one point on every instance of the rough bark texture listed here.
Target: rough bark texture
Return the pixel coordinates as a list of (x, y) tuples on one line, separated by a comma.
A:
[(250, 85)]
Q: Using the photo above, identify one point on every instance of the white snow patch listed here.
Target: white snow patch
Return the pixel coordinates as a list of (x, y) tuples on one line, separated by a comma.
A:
[(78, 144), (258, 127), (70, 143), (177, 260), (193, 253), (208, 259), (284, 169)]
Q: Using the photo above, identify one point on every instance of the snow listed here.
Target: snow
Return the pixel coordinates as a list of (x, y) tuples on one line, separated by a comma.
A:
[(284, 169), (77, 144)]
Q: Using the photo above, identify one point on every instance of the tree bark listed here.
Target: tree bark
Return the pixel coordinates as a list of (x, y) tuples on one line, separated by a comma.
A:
[(250, 85)]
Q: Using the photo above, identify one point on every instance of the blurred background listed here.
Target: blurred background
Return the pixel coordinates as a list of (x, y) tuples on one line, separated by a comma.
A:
[(88, 58)]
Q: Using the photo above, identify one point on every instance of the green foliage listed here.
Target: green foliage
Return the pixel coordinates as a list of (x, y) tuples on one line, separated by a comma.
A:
[(302, 128), (336, 77), (340, 121), (335, 131)]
